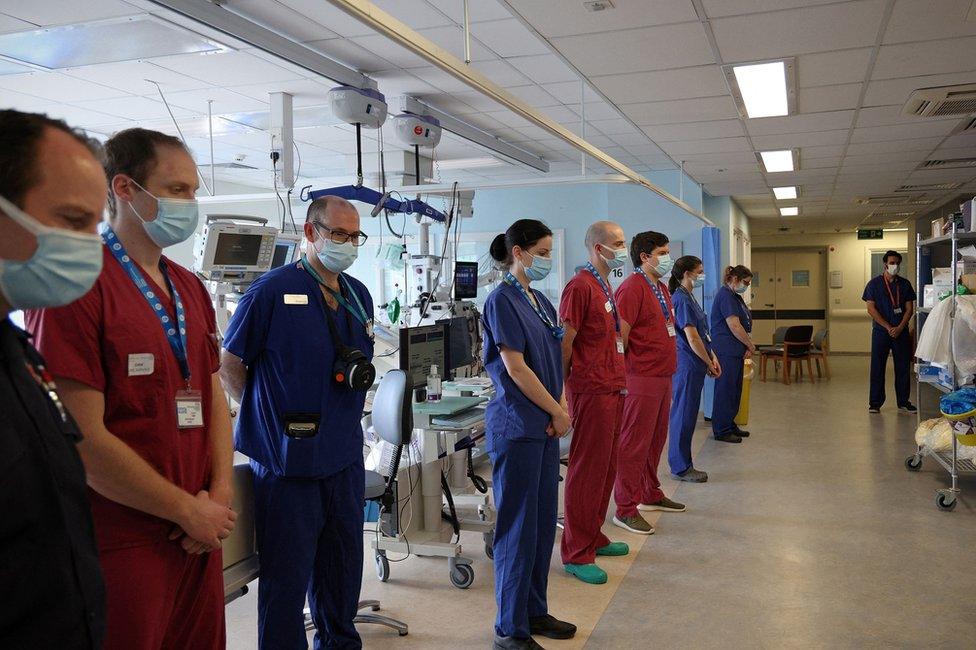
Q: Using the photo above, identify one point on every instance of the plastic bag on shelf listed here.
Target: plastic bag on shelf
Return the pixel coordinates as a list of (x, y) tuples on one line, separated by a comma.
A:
[(933, 340), (934, 434), (964, 336)]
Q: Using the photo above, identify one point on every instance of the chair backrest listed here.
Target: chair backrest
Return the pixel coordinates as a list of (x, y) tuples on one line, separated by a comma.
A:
[(819, 339), (392, 409), (799, 334), (779, 335)]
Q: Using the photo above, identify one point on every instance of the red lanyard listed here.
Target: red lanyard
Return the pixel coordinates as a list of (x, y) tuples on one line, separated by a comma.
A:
[(896, 297)]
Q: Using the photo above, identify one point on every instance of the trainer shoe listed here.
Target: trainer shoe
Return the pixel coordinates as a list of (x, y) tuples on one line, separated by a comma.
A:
[(635, 524), (551, 627), (729, 437), (691, 475), (907, 408), (664, 505), (874, 409), (588, 573), (514, 643), (614, 549)]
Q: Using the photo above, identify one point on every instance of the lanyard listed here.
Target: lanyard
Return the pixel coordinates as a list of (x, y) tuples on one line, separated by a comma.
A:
[(358, 311), (896, 297), (554, 329), (606, 292), (699, 309), (668, 316), (175, 332), (746, 314)]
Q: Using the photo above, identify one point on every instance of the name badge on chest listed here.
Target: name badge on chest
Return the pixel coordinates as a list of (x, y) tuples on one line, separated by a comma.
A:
[(141, 365), (671, 331), (898, 311), (296, 299), (189, 409), (620, 345), (608, 306)]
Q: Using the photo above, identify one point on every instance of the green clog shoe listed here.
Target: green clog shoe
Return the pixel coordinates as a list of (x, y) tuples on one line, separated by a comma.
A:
[(613, 549), (589, 573)]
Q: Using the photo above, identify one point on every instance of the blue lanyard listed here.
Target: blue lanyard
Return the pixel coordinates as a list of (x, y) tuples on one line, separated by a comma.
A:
[(606, 292), (557, 331), (703, 317), (668, 316), (746, 314), (175, 332), (359, 311)]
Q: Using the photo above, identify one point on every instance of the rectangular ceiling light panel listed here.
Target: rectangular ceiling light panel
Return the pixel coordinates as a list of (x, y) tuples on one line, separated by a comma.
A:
[(763, 89), (777, 161), (103, 41), (789, 212), (784, 193)]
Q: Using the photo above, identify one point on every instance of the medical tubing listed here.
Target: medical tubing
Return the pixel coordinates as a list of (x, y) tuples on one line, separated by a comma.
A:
[(359, 154), (453, 518)]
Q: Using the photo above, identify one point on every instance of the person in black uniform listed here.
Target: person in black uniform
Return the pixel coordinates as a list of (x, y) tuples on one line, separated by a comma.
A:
[(52, 195)]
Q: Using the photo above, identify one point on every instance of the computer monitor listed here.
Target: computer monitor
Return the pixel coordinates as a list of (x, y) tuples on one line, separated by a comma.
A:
[(423, 347), (286, 249), (465, 280), (227, 250), (460, 342)]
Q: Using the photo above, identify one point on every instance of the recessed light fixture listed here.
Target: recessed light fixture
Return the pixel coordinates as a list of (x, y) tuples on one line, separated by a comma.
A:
[(763, 88), (783, 193), (777, 161), (789, 212)]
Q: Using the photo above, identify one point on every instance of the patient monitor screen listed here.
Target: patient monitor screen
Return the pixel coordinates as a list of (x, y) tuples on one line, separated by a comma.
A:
[(235, 249), (421, 348), (283, 253)]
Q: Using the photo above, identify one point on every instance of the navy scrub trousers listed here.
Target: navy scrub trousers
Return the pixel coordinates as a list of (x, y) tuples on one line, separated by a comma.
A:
[(686, 392), (901, 350), (728, 394)]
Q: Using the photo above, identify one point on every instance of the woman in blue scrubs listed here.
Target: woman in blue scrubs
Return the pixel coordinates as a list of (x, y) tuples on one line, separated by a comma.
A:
[(523, 425), (695, 360), (731, 323)]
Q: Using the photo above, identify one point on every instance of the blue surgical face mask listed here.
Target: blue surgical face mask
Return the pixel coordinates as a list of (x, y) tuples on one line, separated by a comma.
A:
[(699, 281), (741, 288), (664, 264), (335, 257), (539, 269), (619, 258), (176, 219), (62, 269)]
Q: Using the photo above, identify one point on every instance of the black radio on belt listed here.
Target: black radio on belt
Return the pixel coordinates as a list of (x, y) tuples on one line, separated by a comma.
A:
[(351, 368)]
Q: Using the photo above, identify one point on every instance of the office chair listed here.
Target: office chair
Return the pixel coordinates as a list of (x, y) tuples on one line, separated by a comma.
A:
[(393, 422)]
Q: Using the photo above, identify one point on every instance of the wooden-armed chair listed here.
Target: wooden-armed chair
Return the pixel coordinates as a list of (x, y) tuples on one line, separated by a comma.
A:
[(796, 346)]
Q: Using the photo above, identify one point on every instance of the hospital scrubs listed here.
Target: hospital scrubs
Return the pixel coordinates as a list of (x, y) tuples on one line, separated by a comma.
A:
[(890, 299), (525, 472), (731, 356), (688, 380), (650, 363), (111, 340), (594, 389), (308, 491)]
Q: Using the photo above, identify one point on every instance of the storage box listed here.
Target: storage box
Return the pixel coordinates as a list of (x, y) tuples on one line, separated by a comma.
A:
[(969, 281), (930, 296), (942, 276)]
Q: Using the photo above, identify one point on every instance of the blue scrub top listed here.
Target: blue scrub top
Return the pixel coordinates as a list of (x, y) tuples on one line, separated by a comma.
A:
[(288, 351), (510, 320), (901, 294), (728, 303), (687, 312)]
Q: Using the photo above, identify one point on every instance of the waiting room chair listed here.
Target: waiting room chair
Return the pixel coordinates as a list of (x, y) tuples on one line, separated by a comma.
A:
[(795, 348), (819, 352), (777, 347), (393, 422), (564, 444)]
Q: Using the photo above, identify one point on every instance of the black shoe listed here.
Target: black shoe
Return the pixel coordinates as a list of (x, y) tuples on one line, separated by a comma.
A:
[(907, 407), (706, 418), (874, 409), (728, 437), (512, 643), (741, 433), (551, 627)]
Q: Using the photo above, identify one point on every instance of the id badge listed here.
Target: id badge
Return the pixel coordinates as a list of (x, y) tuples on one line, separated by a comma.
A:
[(608, 306), (369, 330), (189, 409), (671, 330), (620, 345), (898, 311)]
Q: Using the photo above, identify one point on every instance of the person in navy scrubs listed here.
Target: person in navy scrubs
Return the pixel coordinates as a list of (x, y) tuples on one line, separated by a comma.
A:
[(731, 323), (308, 487), (695, 360), (890, 300), (523, 425)]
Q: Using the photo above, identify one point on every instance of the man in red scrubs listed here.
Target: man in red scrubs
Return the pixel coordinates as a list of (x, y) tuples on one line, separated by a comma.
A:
[(593, 364), (648, 329), (136, 358)]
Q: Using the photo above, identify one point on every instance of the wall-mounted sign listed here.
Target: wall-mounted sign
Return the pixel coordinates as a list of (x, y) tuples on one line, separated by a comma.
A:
[(876, 233)]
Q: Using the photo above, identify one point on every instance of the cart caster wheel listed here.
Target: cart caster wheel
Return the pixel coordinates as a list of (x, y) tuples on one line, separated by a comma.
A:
[(946, 503), (913, 463), (462, 576), (490, 545), (382, 567)]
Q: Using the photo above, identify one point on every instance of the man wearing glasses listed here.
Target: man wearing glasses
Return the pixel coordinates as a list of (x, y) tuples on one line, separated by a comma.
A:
[(300, 426)]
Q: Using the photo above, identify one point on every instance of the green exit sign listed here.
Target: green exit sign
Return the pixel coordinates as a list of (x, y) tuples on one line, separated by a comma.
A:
[(876, 233)]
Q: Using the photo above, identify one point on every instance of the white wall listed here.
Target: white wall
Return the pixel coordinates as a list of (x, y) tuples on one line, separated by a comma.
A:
[(728, 216)]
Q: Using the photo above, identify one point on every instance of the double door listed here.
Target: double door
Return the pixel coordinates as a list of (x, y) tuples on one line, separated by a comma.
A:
[(789, 288)]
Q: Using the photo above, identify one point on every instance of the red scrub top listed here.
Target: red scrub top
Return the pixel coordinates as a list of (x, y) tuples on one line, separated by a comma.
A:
[(651, 351), (596, 366), (97, 341)]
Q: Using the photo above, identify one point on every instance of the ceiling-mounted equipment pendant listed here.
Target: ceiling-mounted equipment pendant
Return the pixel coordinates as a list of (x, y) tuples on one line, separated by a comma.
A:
[(363, 106), (417, 130)]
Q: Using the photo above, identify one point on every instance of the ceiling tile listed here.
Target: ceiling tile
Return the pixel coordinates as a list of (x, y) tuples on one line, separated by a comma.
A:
[(930, 57), (918, 20), (27, 103), (615, 126), (390, 51), (798, 31), (353, 55), (902, 131), (57, 87), (823, 151), (84, 118), (304, 92), (786, 141), (445, 83), (58, 12), (636, 50), (501, 72), (416, 14), (821, 162), (695, 130), (336, 20), (660, 85), (720, 145), (544, 69), (534, 95), (451, 38), (282, 19), (226, 68), (832, 68), (9, 24), (886, 115), (680, 111), (716, 8), (897, 91), (828, 98), (894, 145), (139, 108), (508, 38), (803, 123), (131, 77), (224, 101), (477, 11), (568, 92), (561, 18)]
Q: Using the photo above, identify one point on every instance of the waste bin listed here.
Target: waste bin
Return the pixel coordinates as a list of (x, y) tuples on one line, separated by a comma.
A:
[(742, 417)]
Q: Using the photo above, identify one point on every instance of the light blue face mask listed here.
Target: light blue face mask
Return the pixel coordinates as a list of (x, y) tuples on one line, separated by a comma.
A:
[(336, 257), (62, 269), (539, 269), (699, 281), (664, 264), (741, 289), (619, 258), (176, 219)]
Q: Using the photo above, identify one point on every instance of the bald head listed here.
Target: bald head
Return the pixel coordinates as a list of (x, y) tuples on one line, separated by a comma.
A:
[(325, 207), (607, 233)]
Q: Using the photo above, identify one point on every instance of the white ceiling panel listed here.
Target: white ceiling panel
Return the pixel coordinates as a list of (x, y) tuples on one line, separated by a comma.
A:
[(451, 38), (304, 92), (798, 31), (59, 12), (224, 101), (414, 13), (682, 110), (828, 98), (534, 95), (82, 117), (902, 131), (648, 48), (720, 145), (830, 162), (508, 38), (800, 176), (888, 115), (897, 91), (400, 82), (352, 54), (57, 87), (390, 51), (660, 85), (10, 24), (801, 140), (561, 18), (131, 77), (328, 16), (885, 146), (831, 68), (615, 126), (917, 20), (717, 8), (803, 123), (281, 19), (568, 92), (478, 11), (722, 159), (501, 72), (139, 108), (442, 81), (224, 69), (823, 151), (941, 176), (695, 130), (929, 57), (27, 103), (544, 69), (885, 159)]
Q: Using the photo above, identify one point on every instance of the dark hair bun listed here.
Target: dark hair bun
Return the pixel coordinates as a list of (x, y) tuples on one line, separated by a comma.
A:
[(498, 250)]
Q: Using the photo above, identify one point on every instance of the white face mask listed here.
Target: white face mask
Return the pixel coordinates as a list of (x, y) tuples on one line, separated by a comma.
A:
[(892, 269)]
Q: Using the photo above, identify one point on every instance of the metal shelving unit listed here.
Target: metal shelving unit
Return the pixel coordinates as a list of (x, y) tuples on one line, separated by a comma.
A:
[(928, 398)]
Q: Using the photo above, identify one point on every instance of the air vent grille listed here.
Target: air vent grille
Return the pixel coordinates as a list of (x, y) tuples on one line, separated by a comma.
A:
[(955, 107), (930, 186), (893, 199), (941, 101), (949, 163)]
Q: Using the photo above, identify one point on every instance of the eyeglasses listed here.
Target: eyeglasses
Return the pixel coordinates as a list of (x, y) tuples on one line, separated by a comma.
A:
[(341, 237)]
